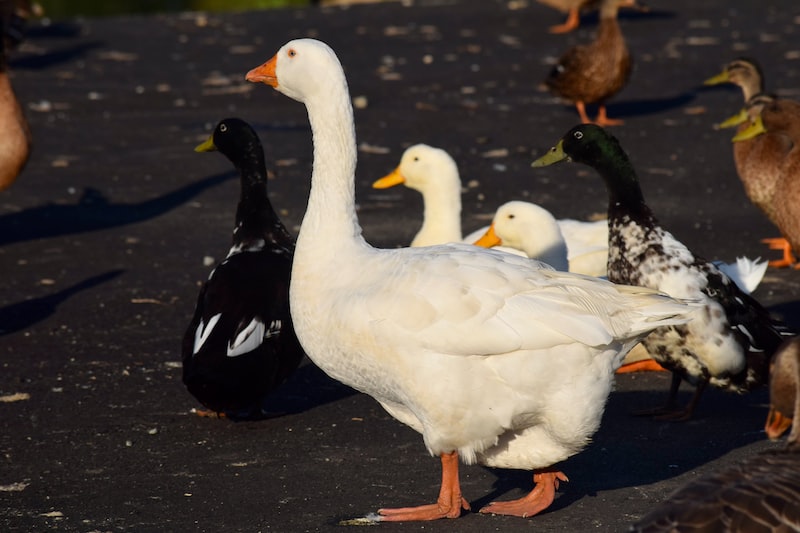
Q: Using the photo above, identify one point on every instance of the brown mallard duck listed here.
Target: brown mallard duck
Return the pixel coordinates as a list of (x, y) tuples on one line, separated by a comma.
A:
[(761, 493), (593, 73), (573, 10), (744, 72), (15, 145), (754, 158), (769, 164), (761, 156)]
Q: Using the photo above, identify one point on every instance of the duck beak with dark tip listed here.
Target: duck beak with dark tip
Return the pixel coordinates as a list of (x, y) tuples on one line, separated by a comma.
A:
[(554, 155), (264, 73)]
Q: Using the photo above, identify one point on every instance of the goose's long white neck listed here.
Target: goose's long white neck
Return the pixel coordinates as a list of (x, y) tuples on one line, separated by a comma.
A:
[(330, 222)]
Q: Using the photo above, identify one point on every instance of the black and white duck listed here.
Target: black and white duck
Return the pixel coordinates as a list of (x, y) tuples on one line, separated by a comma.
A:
[(240, 344), (759, 494), (731, 339)]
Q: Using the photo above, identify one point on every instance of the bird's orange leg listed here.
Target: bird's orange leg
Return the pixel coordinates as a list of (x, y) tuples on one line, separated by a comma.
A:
[(645, 365), (603, 120), (572, 22), (581, 107), (788, 259), (449, 504), (535, 502)]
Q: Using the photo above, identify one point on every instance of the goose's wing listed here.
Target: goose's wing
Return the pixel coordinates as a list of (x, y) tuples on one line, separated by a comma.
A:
[(474, 302)]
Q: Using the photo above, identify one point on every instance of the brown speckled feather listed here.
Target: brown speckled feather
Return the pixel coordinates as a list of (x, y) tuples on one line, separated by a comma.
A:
[(781, 154), (758, 159), (759, 494)]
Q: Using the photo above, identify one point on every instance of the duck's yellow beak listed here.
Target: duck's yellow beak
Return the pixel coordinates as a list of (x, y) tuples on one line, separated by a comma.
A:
[(554, 155), (264, 73), (722, 77), (755, 129), (735, 120), (389, 180), (489, 239), (776, 424), (206, 146)]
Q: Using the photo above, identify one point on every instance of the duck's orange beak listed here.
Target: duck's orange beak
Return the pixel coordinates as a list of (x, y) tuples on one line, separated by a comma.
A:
[(776, 424), (395, 177), (264, 73), (489, 239)]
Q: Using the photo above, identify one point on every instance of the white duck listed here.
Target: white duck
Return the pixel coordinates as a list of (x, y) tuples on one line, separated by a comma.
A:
[(434, 173), (493, 359), (512, 227)]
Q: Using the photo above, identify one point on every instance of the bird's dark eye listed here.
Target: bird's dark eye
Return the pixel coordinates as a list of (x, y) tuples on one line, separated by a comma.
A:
[(511, 216), (578, 135), (416, 158), (292, 52), (223, 128)]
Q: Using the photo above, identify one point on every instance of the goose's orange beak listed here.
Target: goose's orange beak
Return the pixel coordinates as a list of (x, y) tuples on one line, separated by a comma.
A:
[(264, 73)]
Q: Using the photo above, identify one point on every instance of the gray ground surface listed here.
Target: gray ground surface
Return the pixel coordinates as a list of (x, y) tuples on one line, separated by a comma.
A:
[(103, 240)]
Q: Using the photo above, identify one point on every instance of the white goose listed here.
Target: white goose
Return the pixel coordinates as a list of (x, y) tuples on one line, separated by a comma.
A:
[(434, 173), (492, 359)]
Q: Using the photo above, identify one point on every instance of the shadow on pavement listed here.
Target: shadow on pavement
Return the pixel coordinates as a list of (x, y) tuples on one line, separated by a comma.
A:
[(94, 212), (22, 315)]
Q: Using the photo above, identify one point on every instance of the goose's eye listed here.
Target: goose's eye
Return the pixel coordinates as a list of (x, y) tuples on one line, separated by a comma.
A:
[(416, 159), (223, 128), (511, 217), (578, 135), (291, 52)]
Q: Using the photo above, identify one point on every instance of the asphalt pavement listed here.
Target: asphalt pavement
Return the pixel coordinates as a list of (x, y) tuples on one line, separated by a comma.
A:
[(115, 222)]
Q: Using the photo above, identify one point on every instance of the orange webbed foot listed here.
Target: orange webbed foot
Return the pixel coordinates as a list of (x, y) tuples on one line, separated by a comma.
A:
[(434, 511), (449, 504), (788, 259), (535, 502), (208, 413), (645, 365)]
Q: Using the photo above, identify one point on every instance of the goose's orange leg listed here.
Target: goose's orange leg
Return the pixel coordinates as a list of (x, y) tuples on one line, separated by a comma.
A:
[(448, 505), (788, 259), (572, 22), (535, 502)]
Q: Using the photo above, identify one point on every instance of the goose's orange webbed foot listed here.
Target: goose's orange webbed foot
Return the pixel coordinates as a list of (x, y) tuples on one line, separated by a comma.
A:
[(535, 502), (449, 504)]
